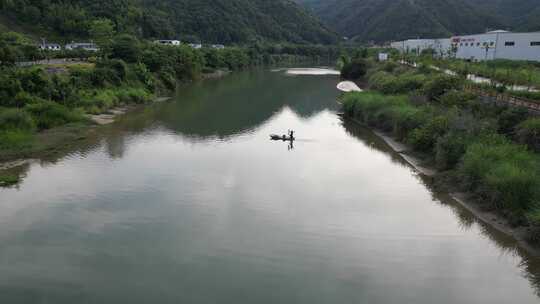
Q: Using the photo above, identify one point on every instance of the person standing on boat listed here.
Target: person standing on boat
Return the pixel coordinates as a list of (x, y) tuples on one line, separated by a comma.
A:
[(291, 134)]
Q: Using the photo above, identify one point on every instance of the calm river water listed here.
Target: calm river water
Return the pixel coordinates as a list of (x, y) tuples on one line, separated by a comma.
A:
[(190, 202)]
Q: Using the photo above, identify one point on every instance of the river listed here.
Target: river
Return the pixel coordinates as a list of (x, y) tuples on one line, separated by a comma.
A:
[(189, 201)]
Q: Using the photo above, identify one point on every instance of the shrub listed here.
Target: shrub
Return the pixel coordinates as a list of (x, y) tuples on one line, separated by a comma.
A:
[(528, 132), (408, 118), (425, 137), (143, 75), (383, 82), (389, 84), (127, 48), (456, 98), (510, 118), (50, 114), (449, 149), (166, 76), (389, 66), (354, 70), (16, 119), (119, 67), (133, 95), (102, 76), (103, 100), (10, 86), (36, 82), (438, 85)]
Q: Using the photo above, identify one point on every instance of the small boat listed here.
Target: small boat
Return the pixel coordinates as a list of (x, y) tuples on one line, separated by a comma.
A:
[(281, 137)]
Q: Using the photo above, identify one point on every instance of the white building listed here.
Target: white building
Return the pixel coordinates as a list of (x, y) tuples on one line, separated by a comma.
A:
[(195, 45), (168, 42), (413, 45), (487, 46), (50, 47), (442, 47), (87, 46), (476, 47), (518, 46)]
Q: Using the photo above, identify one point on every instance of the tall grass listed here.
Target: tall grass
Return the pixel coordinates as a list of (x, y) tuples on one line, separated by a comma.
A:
[(16, 140), (13, 119), (50, 114), (504, 173)]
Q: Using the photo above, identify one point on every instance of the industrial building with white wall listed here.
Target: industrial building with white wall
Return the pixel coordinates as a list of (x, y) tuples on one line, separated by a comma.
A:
[(487, 46)]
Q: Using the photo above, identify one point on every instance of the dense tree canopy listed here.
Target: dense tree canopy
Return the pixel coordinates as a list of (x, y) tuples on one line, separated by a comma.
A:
[(212, 21), (384, 20)]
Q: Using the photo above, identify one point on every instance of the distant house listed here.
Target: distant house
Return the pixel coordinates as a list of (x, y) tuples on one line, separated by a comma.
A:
[(195, 45), (383, 56), (168, 42), (87, 46), (50, 47), (217, 46)]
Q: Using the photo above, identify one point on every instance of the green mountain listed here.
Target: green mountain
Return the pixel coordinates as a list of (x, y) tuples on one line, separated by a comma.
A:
[(214, 21), (520, 15), (385, 20)]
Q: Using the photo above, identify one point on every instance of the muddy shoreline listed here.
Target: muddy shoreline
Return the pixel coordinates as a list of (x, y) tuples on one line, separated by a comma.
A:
[(493, 219)]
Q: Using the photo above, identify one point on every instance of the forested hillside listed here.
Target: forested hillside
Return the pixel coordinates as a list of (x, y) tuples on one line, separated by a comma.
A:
[(384, 20), (213, 21), (521, 15)]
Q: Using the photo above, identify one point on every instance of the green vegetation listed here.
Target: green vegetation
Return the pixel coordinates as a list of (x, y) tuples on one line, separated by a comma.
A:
[(488, 150), (210, 21), (387, 20), (354, 69), (519, 79), (508, 72), (8, 180), (126, 71), (528, 133)]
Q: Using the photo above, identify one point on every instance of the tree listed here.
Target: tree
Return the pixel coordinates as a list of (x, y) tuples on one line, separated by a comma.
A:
[(102, 31), (126, 47), (354, 69)]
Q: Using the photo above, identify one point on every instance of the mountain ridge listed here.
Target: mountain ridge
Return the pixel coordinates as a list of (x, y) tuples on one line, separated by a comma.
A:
[(386, 20)]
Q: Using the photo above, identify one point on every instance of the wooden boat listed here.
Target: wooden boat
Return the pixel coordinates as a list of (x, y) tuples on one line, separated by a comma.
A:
[(281, 137)]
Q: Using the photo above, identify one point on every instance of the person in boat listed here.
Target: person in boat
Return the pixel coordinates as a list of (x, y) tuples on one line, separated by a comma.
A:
[(291, 134)]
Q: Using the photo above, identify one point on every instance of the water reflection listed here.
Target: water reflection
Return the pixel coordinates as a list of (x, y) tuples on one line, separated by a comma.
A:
[(190, 202), (529, 265), (240, 103)]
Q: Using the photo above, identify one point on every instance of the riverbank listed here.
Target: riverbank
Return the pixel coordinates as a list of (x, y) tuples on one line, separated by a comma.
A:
[(491, 218), (460, 142), (50, 143)]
